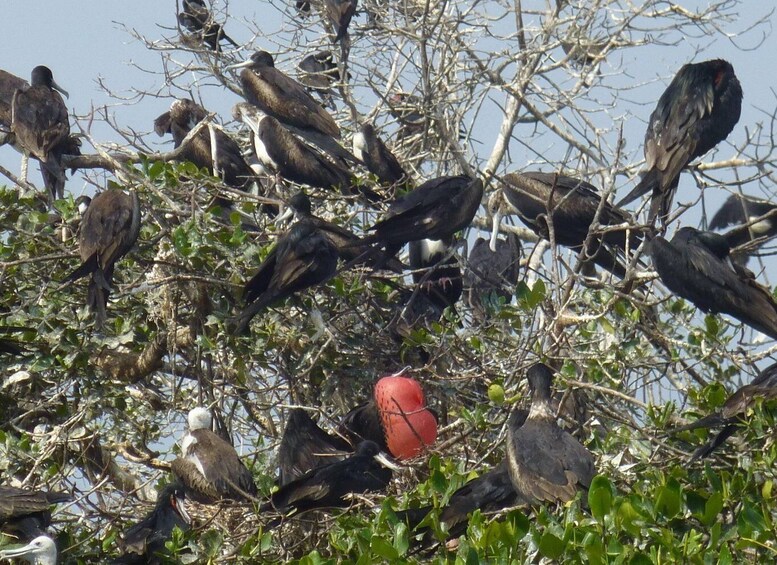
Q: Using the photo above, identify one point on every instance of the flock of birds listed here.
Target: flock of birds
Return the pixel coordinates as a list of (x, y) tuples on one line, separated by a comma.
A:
[(294, 138)]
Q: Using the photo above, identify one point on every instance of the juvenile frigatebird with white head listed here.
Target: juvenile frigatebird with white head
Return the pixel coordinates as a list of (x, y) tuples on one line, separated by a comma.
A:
[(209, 466), (40, 551)]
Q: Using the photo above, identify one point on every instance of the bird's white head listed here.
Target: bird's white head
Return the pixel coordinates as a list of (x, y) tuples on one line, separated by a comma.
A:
[(40, 551), (199, 419)]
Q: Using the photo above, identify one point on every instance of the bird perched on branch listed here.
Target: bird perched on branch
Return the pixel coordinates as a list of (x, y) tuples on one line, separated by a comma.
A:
[(209, 466), (746, 211), (695, 266), (572, 205), (41, 128), (734, 409), (491, 275), (546, 463), (196, 18), (109, 229), (698, 110)]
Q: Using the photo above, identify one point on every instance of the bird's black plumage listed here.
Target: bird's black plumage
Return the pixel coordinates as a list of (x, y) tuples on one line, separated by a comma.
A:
[(363, 423), (378, 159), (109, 229), (734, 409), (303, 257), (286, 100), (183, 116), (27, 513), (435, 210), (698, 110), (328, 485), (305, 446), (340, 13), (744, 212), (196, 18), (144, 542), (347, 243), (282, 153), (546, 463), (694, 266), (436, 270), (41, 128), (319, 72), (491, 275), (572, 204)]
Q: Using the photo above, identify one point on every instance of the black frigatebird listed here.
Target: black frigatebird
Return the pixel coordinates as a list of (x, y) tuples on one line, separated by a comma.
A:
[(437, 209), (40, 126), (145, 541), (305, 446), (572, 205), (396, 418), (747, 212), (209, 466), (697, 111), (694, 266), (436, 270), (303, 257), (733, 411), (327, 486), (340, 13), (109, 229), (27, 513), (183, 116), (196, 18), (346, 242), (378, 159), (282, 153), (286, 100), (319, 72), (546, 463), (491, 276)]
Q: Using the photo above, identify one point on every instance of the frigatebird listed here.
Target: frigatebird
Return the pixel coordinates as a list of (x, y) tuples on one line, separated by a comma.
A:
[(226, 162), (280, 152), (40, 551), (698, 110), (572, 205), (436, 270), (209, 466), (303, 257), (346, 242), (27, 513), (695, 266), (109, 229), (305, 446), (437, 209), (319, 72), (746, 211), (546, 463), (286, 100), (378, 159), (327, 486), (491, 276), (144, 543), (196, 18), (340, 13), (731, 415), (40, 126), (396, 419)]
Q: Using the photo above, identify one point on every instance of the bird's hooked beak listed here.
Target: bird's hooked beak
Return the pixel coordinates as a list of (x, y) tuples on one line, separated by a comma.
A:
[(383, 460), (243, 65), (179, 503), (281, 219), (17, 551), (495, 222), (59, 89)]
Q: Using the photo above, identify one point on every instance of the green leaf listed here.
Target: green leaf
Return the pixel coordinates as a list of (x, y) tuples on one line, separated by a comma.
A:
[(551, 546), (600, 497), (383, 548)]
